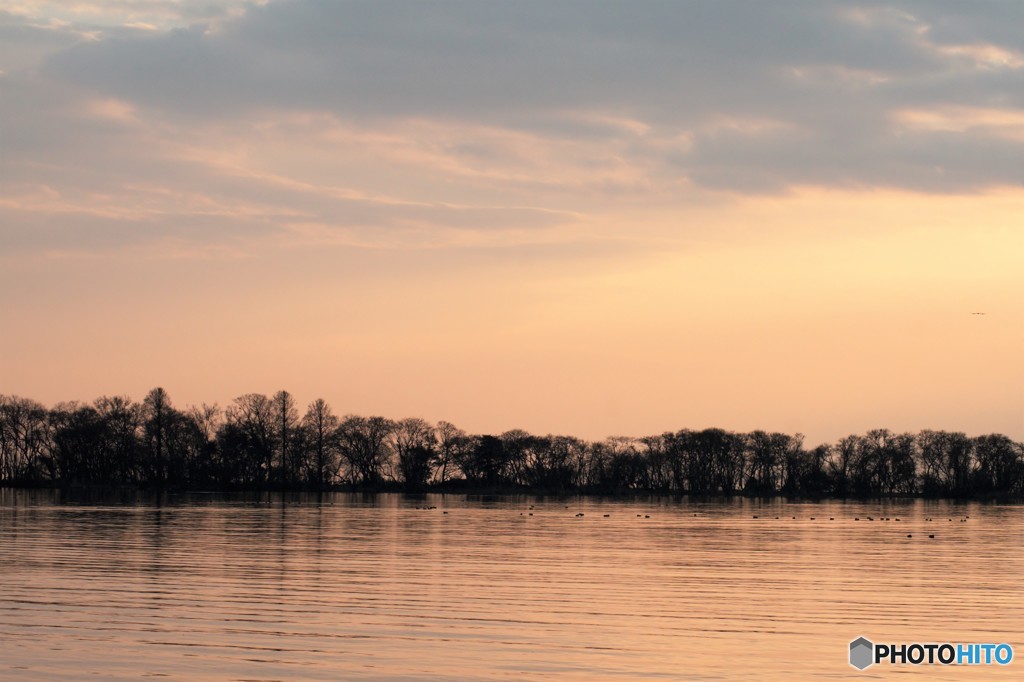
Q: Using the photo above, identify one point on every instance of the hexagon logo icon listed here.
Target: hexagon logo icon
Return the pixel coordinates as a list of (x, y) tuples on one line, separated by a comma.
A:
[(861, 653)]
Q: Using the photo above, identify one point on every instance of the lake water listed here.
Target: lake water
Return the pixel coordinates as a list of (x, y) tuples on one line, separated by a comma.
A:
[(359, 587)]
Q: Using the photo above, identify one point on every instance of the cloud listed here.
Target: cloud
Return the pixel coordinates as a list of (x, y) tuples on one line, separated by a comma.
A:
[(827, 76), (85, 173), (461, 122), (25, 43)]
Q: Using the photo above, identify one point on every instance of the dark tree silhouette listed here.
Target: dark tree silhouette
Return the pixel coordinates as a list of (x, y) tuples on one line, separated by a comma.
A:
[(453, 446), (24, 439), (840, 465), (364, 446), (156, 409), (251, 418), (767, 461), (122, 420), (486, 463), (558, 464), (287, 440), (78, 436), (206, 468), (415, 445), (258, 441), (1000, 465), (321, 427), (945, 462)]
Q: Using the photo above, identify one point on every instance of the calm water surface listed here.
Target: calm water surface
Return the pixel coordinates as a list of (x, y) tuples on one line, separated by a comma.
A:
[(353, 587)]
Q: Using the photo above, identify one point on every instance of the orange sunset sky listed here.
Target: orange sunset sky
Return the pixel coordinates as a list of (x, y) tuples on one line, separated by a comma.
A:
[(584, 217)]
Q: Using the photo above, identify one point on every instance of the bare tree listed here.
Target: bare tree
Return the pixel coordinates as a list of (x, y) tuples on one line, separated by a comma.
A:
[(1000, 465), (364, 445), (208, 419), (415, 445), (261, 439), (452, 446), (156, 410), (24, 438), (251, 417), (286, 422), (123, 420), (322, 427)]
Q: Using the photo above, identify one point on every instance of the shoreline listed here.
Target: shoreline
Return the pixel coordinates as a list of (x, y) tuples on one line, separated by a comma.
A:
[(492, 491)]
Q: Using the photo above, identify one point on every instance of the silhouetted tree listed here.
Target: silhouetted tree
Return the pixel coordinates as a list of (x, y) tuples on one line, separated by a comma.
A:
[(519, 450), (322, 427), (712, 460), (363, 444), (239, 463), (767, 453), (156, 410), (122, 420), (884, 464), (485, 462), (1000, 465), (815, 480), (617, 465), (261, 440), (675, 453), (559, 463), (453, 446), (77, 432), (727, 452), (206, 468), (287, 441), (24, 439), (840, 465), (250, 444), (659, 462), (415, 445), (946, 462)]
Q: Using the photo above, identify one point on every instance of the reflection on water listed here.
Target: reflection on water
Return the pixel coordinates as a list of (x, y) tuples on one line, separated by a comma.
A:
[(380, 587)]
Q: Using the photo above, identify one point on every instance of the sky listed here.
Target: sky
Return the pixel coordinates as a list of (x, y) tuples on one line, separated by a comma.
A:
[(568, 216)]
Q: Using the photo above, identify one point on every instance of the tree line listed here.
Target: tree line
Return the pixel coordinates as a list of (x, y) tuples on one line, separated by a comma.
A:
[(262, 442)]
